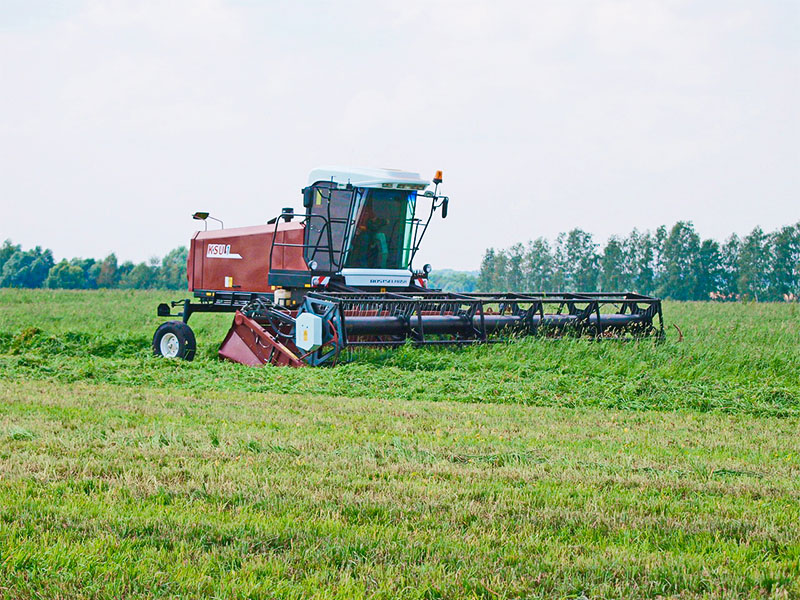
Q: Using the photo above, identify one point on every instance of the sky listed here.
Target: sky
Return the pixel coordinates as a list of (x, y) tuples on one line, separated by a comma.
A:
[(120, 119)]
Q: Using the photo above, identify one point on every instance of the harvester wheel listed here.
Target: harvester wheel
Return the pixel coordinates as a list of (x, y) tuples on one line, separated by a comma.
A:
[(174, 339)]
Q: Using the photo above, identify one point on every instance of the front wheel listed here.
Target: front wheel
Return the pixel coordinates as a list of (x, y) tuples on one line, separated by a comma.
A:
[(174, 339)]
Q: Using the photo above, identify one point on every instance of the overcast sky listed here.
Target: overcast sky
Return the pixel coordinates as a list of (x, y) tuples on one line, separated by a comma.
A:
[(119, 119)]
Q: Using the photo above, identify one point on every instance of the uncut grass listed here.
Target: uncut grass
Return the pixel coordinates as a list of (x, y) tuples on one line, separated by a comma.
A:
[(736, 358), (109, 491)]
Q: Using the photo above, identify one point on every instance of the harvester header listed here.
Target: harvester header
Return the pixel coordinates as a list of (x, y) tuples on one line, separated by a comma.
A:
[(340, 275)]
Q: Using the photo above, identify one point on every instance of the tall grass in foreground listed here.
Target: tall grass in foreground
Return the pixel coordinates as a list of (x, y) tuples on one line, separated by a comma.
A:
[(535, 469), (113, 491)]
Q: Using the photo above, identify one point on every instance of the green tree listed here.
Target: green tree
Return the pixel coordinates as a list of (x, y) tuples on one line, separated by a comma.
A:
[(27, 269), (449, 280), (639, 274), (486, 274), (500, 273), (172, 274), (515, 276), (753, 266), (583, 260), (679, 256), (784, 270), (92, 274), (613, 262), (65, 276), (6, 251), (708, 270), (87, 267), (561, 279), (729, 285), (108, 277), (464, 282), (659, 267), (139, 277), (122, 273), (538, 266)]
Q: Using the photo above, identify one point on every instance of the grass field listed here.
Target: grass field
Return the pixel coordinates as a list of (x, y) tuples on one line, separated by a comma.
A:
[(536, 469)]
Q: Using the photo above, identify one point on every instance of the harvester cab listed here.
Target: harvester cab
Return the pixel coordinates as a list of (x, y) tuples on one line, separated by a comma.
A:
[(341, 276), (361, 227)]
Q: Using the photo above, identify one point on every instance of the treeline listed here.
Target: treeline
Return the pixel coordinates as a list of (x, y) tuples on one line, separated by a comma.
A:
[(36, 269), (450, 280), (672, 263)]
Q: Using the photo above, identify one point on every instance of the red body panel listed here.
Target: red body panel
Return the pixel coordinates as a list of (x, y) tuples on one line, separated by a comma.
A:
[(249, 343), (237, 259)]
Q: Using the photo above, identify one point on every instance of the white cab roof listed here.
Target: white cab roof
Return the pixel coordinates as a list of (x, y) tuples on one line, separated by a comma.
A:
[(368, 178)]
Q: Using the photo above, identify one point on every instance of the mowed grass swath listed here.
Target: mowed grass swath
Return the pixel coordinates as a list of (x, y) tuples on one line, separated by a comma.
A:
[(538, 468), (734, 357)]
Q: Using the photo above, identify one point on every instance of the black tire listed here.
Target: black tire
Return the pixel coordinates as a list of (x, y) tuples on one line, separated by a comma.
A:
[(174, 339)]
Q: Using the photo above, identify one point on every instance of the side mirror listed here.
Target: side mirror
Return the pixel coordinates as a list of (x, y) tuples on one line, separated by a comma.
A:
[(445, 202), (308, 197)]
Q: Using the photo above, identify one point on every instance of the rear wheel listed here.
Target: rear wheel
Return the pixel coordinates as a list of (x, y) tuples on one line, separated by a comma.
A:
[(174, 339)]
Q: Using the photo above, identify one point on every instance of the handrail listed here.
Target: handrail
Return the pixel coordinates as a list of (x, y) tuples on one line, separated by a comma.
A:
[(304, 245)]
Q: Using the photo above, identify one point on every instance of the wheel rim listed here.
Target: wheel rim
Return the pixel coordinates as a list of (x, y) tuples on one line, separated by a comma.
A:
[(170, 346)]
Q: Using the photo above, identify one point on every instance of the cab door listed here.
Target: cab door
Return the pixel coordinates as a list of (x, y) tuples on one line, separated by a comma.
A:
[(330, 213)]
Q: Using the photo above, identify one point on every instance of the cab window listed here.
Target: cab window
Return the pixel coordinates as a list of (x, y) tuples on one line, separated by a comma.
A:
[(381, 239)]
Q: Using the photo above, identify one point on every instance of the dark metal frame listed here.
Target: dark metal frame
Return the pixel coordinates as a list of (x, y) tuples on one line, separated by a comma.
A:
[(210, 302), (358, 319), (582, 314), (327, 222)]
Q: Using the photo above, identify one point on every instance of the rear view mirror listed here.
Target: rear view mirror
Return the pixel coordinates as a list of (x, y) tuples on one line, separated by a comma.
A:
[(445, 202)]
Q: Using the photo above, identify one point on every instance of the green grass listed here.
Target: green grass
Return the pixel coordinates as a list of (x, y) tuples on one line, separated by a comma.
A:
[(735, 358), (536, 469)]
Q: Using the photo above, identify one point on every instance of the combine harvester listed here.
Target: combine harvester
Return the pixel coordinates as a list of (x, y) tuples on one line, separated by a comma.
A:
[(341, 276)]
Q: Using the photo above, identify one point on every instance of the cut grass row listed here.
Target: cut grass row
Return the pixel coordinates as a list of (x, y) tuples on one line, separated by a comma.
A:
[(113, 491), (736, 358)]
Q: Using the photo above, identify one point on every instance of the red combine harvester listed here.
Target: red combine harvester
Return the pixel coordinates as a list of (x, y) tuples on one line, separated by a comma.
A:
[(340, 276)]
